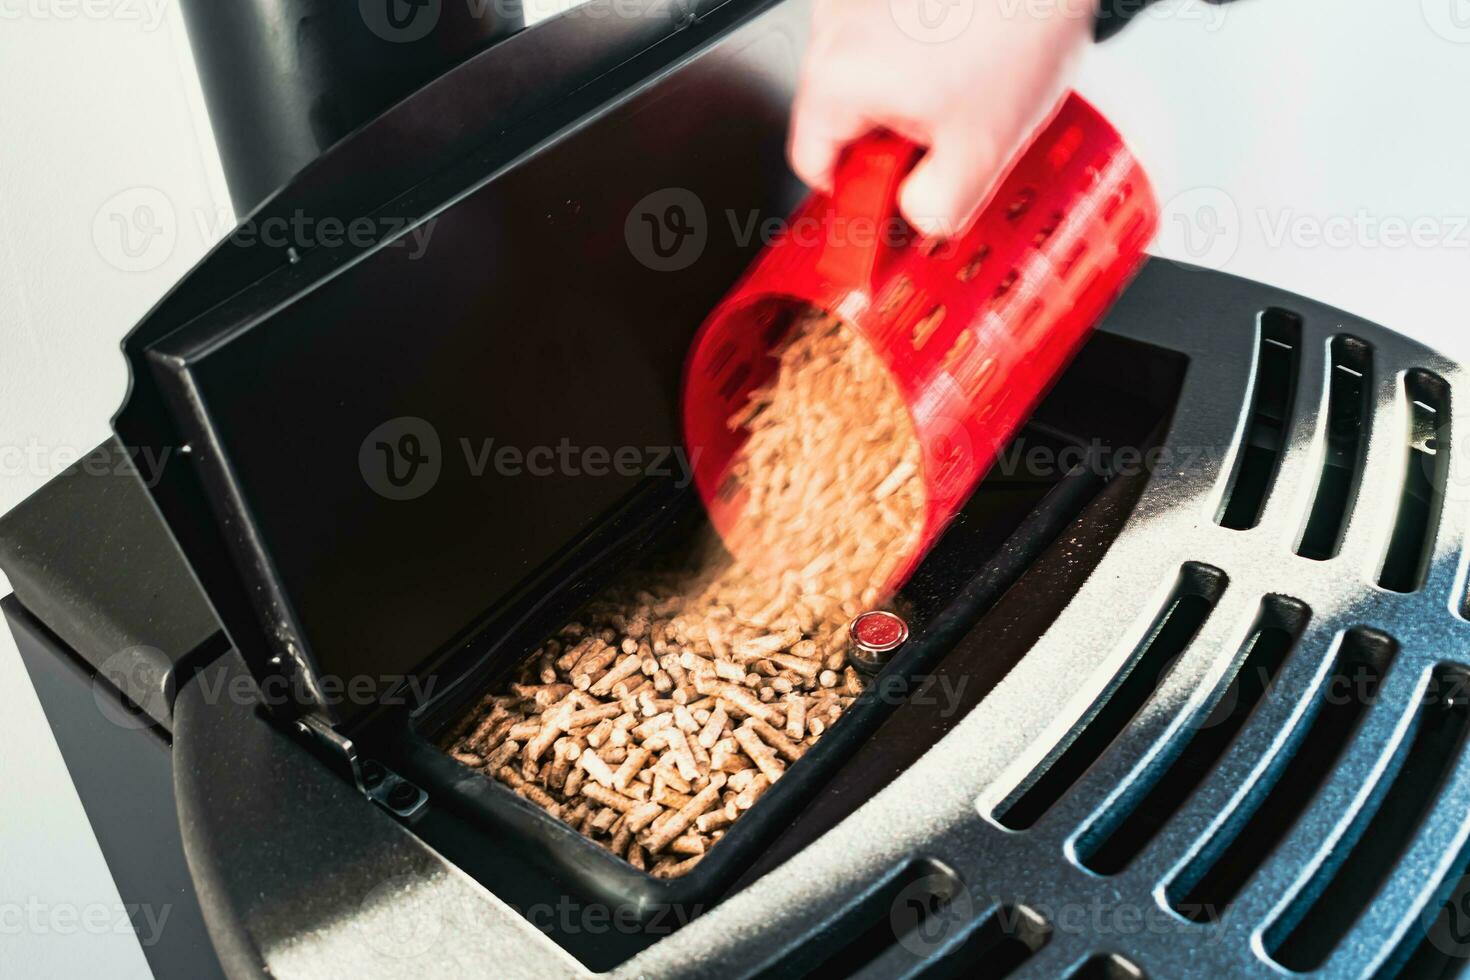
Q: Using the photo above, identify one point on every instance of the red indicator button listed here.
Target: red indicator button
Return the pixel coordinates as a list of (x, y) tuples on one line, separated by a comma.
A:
[(879, 630), (875, 635)]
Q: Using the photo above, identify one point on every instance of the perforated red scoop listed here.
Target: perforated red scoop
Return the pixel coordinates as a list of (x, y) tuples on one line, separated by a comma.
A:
[(974, 330)]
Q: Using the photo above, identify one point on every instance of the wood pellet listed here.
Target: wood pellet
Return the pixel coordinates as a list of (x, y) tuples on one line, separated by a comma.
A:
[(681, 695)]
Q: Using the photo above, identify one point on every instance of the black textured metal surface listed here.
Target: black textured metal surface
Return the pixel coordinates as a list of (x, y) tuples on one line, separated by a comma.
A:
[(122, 769), (302, 876), (286, 79), (1389, 793), (89, 556)]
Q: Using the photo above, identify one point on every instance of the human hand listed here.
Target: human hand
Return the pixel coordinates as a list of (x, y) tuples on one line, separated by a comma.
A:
[(972, 84)]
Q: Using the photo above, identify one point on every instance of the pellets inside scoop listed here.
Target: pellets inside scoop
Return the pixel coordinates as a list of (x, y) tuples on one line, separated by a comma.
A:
[(688, 687)]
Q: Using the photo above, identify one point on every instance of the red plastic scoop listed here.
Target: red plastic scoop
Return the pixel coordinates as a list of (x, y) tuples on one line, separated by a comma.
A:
[(974, 330)]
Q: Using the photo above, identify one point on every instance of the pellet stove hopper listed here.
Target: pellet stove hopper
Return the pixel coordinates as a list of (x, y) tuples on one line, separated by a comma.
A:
[(1126, 692)]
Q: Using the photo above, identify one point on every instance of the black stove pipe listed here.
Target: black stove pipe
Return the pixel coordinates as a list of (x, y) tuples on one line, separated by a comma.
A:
[(285, 79)]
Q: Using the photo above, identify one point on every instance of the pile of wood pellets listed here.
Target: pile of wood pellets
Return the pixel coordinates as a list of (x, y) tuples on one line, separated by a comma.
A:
[(681, 695)]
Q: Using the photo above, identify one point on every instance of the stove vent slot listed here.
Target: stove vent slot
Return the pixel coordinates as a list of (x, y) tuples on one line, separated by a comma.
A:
[(1273, 394), (909, 900), (996, 948), (1312, 926), (1118, 836), (1198, 590), (1212, 880), (1412, 544), (1112, 967), (1349, 410), (1437, 947)]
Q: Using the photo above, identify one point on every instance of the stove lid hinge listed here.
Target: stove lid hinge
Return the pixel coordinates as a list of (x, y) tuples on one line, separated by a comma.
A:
[(373, 779)]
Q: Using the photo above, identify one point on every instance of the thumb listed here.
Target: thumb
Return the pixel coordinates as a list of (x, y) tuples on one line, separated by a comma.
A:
[(946, 190), (820, 131)]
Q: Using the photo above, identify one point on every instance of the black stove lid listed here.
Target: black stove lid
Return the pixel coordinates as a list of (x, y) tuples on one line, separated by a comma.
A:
[(378, 445)]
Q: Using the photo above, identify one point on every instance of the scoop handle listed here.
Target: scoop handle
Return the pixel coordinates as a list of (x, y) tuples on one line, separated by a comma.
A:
[(863, 218)]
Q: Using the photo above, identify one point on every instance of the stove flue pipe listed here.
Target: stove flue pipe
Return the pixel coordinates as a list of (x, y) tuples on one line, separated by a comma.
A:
[(285, 79)]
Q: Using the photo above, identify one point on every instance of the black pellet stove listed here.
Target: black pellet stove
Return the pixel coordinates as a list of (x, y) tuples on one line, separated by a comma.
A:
[(1184, 691)]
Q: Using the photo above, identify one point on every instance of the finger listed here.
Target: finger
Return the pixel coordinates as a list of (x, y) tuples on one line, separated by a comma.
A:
[(820, 130), (951, 183)]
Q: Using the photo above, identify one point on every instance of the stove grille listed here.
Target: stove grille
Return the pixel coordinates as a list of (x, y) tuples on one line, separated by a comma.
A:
[(1240, 748)]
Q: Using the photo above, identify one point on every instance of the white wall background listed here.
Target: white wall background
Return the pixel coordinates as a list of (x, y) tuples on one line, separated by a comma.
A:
[(90, 107), (1325, 141), (1313, 144)]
